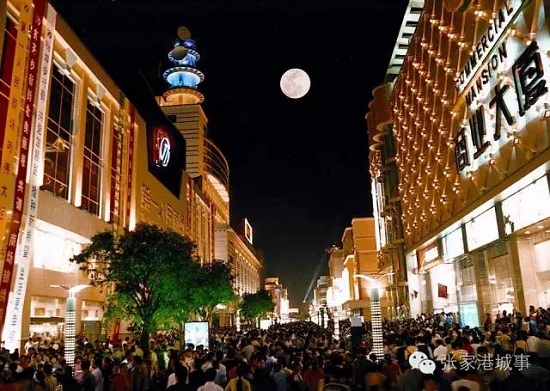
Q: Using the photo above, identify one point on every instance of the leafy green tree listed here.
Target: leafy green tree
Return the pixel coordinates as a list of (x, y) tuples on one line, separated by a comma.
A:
[(148, 269), (213, 285), (256, 305)]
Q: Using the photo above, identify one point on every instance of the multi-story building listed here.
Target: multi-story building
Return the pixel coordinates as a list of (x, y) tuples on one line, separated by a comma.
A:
[(354, 272), (470, 111), (279, 296), (79, 157), (384, 172), (236, 247)]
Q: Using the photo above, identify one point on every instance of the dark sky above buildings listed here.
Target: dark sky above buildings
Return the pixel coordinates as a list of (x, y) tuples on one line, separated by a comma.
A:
[(299, 168)]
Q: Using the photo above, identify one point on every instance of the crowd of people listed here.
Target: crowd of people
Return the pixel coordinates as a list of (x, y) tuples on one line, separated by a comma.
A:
[(510, 352)]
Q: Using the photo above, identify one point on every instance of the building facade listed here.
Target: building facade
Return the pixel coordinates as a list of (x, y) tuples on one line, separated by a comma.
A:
[(384, 172), (354, 273), (237, 249), (470, 115), (279, 296), (79, 157)]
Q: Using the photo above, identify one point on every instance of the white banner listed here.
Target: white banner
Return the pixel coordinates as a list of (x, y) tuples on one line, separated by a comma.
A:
[(12, 328)]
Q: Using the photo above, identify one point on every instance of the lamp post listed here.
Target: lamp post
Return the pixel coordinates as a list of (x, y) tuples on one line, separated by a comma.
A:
[(376, 314), (70, 320)]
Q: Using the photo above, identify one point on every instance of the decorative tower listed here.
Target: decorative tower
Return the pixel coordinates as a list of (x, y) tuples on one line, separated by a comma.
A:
[(181, 103), (183, 77)]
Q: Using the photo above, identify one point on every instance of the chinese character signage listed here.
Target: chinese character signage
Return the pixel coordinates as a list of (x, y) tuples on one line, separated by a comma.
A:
[(504, 88)]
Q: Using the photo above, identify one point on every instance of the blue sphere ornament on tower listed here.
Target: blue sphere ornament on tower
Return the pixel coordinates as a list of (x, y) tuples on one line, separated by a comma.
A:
[(183, 58)]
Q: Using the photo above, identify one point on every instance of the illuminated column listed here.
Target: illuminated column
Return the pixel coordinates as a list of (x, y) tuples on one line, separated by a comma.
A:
[(376, 322), (70, 328), (70, 320), (336, 325), (238, 320)]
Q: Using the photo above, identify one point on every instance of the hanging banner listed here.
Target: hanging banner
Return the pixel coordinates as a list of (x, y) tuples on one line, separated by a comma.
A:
[(12, 329), (9, 150), (131, 137), (3, 11), (117, 141)]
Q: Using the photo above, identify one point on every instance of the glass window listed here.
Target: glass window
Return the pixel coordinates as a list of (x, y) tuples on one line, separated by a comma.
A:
[(52, 252), (482, 229), (91, 173), (59, 134), (527, 206), (453, 246)]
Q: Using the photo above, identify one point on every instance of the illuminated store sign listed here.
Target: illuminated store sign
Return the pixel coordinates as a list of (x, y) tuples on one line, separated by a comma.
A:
[(162, 147), (502, 95), (482, 51), (248, 231), (166, 154)]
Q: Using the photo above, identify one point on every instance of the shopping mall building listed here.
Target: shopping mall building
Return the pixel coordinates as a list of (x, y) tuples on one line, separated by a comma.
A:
[(460, 159), (79, 157)]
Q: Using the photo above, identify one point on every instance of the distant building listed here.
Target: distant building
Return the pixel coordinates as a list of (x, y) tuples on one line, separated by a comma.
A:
[(319, 308), (247, 265), (354, 273), (279, 296)]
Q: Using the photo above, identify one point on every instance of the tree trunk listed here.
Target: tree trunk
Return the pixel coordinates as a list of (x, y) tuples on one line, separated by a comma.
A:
[(144, 342)]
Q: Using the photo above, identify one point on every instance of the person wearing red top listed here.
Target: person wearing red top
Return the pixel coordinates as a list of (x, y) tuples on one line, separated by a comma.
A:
[(121, 380), (312, 375), (391, 370)]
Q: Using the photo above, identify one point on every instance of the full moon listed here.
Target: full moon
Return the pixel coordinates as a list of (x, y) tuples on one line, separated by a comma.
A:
[(295, 83)]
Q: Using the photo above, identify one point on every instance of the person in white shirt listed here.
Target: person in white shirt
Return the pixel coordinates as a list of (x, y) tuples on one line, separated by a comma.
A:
[(96, 370), (210, 375), (440, 351)]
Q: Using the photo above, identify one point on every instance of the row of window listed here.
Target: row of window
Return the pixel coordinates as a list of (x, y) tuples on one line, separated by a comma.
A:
[(60, 133)]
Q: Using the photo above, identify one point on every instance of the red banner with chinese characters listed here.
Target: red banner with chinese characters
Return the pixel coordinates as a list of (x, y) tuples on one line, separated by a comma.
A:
[(20, 184)]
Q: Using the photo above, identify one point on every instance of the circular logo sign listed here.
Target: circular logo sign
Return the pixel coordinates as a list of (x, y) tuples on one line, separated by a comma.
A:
[(164, 152)]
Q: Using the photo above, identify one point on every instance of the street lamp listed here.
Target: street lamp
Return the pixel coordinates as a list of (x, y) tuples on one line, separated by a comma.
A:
[(376, 313), (70, 320)]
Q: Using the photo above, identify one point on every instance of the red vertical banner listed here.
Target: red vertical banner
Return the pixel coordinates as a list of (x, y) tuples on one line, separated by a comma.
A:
[(31, 73), (131, 137)]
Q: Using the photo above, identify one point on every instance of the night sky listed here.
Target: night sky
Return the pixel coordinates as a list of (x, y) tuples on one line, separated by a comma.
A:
[(299, 168)]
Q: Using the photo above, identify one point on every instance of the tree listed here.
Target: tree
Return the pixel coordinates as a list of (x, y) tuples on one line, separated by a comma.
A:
[(256, 305), (213, 286), (150, 269)]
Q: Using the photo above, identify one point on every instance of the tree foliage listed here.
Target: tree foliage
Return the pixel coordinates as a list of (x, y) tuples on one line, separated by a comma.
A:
[(151, 270), (213, 286), (256, 305)]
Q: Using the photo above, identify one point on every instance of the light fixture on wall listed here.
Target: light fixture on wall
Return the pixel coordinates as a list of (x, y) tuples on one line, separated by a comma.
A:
[(70, 61)]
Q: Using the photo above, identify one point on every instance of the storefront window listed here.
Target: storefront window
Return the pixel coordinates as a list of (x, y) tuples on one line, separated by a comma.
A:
[(482, 229), (453, 245), (53, 252), (527, 206), (91, 310)]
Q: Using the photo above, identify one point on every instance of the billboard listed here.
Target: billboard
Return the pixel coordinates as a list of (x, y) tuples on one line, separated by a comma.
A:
[(196, 333), (166, 150)]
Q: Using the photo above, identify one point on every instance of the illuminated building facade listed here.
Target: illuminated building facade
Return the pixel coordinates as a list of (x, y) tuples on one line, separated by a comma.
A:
[(279, 296), (384, 173), (208, 170), (354, 272), (236, 248), (80, 158), (470, 114)]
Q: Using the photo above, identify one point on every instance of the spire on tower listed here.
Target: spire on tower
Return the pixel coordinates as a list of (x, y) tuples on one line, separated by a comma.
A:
[(183, 76)]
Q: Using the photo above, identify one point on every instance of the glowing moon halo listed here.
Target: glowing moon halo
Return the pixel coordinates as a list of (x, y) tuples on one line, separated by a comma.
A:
[(295, 83)]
